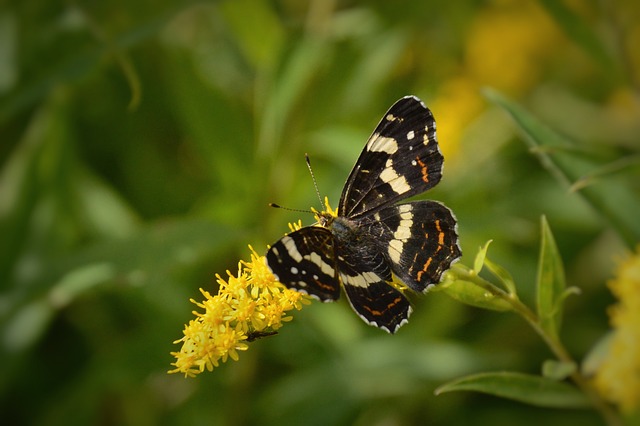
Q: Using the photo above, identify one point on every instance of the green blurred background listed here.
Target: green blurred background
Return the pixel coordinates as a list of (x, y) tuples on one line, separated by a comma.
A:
[(140, 145)]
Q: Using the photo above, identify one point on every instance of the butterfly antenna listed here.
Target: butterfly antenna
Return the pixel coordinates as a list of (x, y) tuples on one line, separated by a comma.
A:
[(315, 185), (278, 206), (313, 177)]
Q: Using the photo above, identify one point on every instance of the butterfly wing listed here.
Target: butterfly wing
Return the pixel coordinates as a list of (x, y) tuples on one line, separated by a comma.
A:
[(304, 260), (380, 305), (371, 237), (401, 159), (419, 239), (365, 275)]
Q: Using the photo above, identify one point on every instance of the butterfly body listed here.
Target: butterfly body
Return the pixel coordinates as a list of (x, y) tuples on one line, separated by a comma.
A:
[(371, 238)]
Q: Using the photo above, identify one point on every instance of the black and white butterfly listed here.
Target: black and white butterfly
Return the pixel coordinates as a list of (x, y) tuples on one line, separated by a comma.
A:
[(372, 237)]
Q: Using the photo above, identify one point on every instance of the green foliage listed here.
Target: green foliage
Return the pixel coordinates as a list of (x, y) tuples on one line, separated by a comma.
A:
[(613, 198), (549, 389), (534, 390), (468, 292), (579, 31), (140, 145), (471, 294), (550, 284)]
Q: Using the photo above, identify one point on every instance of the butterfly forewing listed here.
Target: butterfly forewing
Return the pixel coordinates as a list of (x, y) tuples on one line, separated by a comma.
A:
[(400, 159), (303, 260)]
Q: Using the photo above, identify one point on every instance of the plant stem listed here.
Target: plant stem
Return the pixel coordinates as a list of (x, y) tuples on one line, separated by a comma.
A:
[(610, 416)]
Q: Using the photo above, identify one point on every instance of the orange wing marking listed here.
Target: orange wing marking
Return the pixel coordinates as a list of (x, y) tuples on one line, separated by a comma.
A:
[(424, 169)]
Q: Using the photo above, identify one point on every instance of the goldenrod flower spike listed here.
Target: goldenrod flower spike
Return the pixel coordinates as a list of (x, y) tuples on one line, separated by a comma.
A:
[(251, 303)]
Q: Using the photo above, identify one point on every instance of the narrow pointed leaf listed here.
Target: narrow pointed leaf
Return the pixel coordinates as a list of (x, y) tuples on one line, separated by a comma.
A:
[(529, 389), (478, 262), (612, 198), (579, 31), (502, 275), (550, 284)]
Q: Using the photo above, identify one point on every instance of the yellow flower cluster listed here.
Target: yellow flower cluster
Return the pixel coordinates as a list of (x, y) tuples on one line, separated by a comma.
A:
[(618, 377), (251, 303)]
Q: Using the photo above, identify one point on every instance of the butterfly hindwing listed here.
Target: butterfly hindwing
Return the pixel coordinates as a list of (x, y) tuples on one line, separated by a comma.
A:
[(379, 304), (303, 260), (401, 159), (420, 240), (365, 275)]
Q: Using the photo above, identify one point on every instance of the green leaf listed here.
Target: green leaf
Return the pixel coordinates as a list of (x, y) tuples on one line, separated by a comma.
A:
[(617, 167), (502, 275), (26, 326), (478, 263), (301, 66), (612, 198), (550, 284), (472, 294), (79, 281), (145, 258), (578, 31), (558, 370), (256, 28), (529, 389), (9, 66), (597, 354)]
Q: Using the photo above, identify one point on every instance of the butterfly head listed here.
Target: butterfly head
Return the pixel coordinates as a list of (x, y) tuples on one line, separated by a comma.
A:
[(326, 216)]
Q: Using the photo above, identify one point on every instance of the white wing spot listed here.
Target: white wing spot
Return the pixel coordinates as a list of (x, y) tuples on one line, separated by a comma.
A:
[(294, 270), (425, 137), (363, 280), (379, 143), (398, 183), (395, 250), (290, 245), (324, 266), (404, 230), (401, 234), (411, 135)]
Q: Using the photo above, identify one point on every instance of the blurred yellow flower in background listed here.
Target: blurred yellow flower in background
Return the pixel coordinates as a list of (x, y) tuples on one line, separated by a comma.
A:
[(507, 45), (457, 104), (618, 377)]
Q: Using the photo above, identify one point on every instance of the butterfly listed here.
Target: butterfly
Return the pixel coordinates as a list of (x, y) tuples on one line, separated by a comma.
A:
[(372, 238)]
